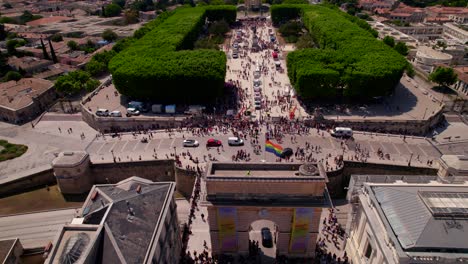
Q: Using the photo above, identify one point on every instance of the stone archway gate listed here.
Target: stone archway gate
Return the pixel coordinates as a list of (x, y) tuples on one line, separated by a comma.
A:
[(291, 195)]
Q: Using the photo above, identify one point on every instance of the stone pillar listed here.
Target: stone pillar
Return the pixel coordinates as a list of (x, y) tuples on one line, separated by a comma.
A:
[(72, 171), (283, 243), (243, 242)]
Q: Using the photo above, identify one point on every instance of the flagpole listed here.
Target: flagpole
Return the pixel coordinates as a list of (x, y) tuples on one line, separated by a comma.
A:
[(264, 151)]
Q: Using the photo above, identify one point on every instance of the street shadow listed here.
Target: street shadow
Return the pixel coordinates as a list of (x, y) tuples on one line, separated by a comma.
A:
[(400, 102), (444, 90)]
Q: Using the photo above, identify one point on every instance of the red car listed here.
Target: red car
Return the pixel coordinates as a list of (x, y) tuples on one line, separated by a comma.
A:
[(213, 142)]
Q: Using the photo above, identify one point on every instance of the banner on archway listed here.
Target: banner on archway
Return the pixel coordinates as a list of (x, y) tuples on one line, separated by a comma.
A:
[(227, 228), (300, 229)]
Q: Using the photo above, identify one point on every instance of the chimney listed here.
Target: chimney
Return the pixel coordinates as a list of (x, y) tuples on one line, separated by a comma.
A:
[(138, 189)]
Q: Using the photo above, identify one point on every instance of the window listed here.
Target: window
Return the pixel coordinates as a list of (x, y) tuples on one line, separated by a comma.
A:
[(368, 252)]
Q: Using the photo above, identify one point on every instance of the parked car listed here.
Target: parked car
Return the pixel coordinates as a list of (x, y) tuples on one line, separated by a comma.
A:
[(115, 114), (102, 112), (235, 141), (213, 142), (132, 112), (235, 55), (258, 105), (190, 143), (286, 153), (342, 132), (257, 83), (267, 238)]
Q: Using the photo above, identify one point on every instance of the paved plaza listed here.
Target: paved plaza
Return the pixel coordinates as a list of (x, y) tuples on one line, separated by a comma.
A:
[(129, 147), (37, 229)]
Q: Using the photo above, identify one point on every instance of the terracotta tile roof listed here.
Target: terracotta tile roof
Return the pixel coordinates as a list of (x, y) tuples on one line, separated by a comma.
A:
[(18, 94), (462, 73), (48, 20)]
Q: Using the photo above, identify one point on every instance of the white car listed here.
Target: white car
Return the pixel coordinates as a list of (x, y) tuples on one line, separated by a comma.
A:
[(235, 141), (190, 143), (115, 114), (235, 55), (132, 112)]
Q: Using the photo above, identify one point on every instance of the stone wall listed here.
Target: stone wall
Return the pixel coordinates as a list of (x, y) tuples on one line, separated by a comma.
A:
[(338, 180), (154, 170), (108, 124), (185, 181), (392, 126), (38, 179)]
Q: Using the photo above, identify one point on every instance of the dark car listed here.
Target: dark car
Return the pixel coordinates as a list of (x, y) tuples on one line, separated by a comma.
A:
[(287, 152), (213, 142), (267, 238)]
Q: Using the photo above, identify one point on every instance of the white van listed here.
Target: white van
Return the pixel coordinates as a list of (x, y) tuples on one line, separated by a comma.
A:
[(342, 132), (235, 141), (102, 112), (115, 114)]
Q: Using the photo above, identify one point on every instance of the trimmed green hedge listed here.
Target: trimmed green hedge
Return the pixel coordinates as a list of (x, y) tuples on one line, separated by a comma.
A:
[(161, 65), (350, 60)]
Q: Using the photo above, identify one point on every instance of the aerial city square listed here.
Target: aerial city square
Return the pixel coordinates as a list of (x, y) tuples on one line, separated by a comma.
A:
[(233, 131)]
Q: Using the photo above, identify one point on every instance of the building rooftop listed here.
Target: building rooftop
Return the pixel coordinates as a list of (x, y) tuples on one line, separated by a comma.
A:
[(428, 52), (5, 247), (18, 94), (128, 213), (48, 20), (27, 62), (424, 217), (70, 158), (458, 162), (265, 170)]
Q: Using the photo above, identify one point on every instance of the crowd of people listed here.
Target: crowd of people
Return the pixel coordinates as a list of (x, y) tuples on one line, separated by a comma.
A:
[(332, 235)]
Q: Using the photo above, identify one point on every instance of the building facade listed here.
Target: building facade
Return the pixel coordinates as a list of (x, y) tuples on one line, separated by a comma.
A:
[(454, 32), (409, 223), (289, 195), (462, 83), (24, 100)]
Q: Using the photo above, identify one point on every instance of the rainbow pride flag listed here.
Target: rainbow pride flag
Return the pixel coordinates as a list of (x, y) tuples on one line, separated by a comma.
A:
[(273, 148)]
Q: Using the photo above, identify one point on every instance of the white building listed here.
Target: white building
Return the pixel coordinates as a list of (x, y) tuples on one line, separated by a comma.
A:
[(385, 30), (427, 58), (423, 31), (454, 32), (409, 223)]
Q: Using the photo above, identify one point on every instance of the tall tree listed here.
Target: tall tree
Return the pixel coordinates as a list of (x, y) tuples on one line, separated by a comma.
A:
[(52, 52), (443, 76), (3, 33), (44, 51)]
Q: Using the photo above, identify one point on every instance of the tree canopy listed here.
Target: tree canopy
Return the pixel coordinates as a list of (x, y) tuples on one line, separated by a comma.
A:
[(350, 61), (112, 10), (75, 81), (161, 64), (109, 35), (443, 76), (389, 41), (401, 48)]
